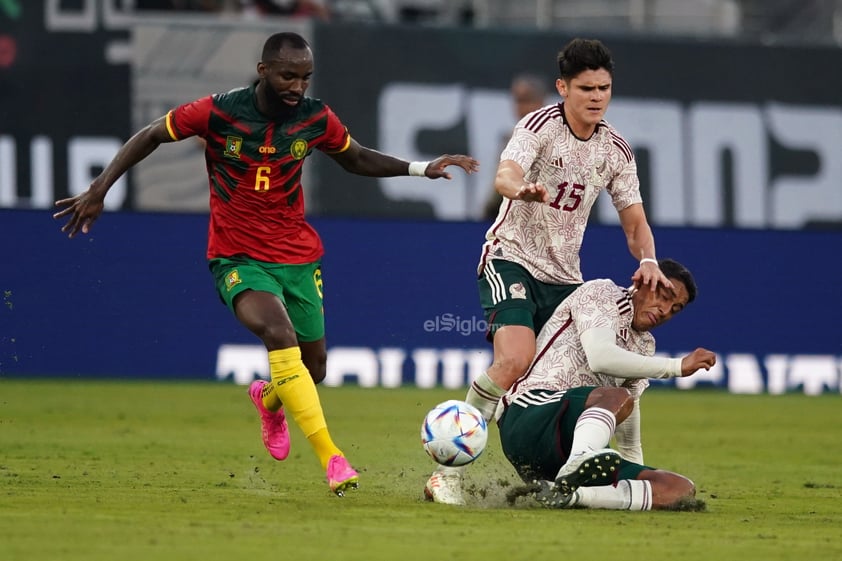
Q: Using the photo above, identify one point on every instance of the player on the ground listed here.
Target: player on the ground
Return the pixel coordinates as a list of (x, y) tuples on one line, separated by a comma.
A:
[(263, 255), (558, 161), (595, 355)]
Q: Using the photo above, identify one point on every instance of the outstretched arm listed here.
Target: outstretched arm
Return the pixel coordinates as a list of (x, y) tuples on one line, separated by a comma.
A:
[(511, 183), (641, 244), (605, 357), (364, 161), (85, 208)]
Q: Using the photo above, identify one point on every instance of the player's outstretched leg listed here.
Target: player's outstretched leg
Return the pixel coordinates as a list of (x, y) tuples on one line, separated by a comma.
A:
[(627, 494), (273, 425), (653, 489), (296, 389), (445, 486)]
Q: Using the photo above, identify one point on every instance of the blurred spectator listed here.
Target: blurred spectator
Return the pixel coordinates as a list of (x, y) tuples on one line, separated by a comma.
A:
[(529, 93), (420, 12)]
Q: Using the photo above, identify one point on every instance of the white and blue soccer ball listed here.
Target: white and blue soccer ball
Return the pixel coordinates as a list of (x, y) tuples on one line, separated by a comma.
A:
[(454, 433)]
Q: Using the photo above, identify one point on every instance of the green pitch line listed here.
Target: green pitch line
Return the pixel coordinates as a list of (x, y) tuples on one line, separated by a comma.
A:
[(96, 471)]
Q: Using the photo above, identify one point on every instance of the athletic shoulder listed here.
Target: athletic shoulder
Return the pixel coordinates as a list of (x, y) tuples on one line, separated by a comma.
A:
[(619, 143), (538, 119), (235, 95), (313, 103), (603, 292), (600, 285), (311, 106)]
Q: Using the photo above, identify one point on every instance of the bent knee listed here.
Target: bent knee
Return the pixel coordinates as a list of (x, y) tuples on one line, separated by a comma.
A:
[(511, 367), (689, 488), (619, 400), (668, 488)]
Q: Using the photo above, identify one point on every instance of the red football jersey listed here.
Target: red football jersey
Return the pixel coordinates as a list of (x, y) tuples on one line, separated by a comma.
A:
[(254, 170)]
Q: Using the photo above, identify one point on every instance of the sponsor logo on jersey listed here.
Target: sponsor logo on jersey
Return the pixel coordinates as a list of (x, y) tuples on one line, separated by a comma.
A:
[(623, 333), (517, 291), (557, 162), (232, 279), (233, 145), (267, 150), (298, 148)]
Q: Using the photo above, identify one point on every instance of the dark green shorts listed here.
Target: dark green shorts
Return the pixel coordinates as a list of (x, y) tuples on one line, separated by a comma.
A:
[(298, 286), (537, 439), (509, 295)]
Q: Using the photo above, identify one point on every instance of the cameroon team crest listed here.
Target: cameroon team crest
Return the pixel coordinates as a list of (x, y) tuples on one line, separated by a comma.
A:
[(232, 279), (298, 148), (233, 145)]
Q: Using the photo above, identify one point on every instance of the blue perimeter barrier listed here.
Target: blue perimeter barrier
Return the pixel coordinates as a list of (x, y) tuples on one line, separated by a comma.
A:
[(134, 299)]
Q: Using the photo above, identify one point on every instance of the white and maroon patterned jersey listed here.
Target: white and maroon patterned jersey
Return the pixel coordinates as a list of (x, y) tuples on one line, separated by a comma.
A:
[(560, 362), (546, 238)]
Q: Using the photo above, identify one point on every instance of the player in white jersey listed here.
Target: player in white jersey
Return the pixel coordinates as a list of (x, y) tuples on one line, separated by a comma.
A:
[(594, 357), (557, 162)]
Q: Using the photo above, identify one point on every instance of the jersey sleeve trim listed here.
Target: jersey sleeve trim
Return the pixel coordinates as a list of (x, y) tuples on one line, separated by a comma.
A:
[(624, 147), (535, 121), (344, 147), (170, 128)]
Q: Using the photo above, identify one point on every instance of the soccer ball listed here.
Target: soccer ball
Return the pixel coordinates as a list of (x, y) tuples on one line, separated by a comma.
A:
[(454, 433)]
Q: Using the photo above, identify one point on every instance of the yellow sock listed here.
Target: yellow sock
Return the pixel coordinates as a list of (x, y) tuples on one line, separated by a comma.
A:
[(296, 389), (270, 398)]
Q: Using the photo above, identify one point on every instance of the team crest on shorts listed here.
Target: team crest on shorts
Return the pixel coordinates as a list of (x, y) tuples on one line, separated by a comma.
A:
[(298, 148), (233, 145), (517, 291), (232, 279)]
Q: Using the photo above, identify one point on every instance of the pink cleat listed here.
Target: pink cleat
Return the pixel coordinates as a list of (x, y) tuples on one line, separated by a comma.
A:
[(273, 425), (341, 476)]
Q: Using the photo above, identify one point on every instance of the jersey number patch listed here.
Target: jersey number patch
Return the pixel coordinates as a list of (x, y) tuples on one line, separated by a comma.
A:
[(261, 178), (572, 192)]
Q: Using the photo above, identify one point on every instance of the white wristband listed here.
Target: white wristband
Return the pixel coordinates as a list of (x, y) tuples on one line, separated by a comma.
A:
[(649, 260), (418, 169)]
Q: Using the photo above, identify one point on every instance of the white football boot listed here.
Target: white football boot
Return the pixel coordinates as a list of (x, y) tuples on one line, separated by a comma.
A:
[(445, 486)]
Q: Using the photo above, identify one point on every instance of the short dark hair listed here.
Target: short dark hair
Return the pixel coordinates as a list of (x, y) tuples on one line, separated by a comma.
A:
[(278, 41), (672, 269), (584, 54)]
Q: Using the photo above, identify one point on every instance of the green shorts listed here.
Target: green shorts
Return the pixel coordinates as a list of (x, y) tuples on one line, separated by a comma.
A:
[(511, 296), (537, 439), (298, 286)]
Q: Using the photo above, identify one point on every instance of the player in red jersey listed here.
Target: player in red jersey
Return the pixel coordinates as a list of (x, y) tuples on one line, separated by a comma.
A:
[(264, 256)]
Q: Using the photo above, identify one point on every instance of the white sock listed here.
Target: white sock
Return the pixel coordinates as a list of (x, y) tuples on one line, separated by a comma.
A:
[(593, 430), (629, 494), (484, 394)]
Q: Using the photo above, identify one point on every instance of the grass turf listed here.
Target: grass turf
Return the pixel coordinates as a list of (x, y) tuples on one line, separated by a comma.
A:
[(176, 471)]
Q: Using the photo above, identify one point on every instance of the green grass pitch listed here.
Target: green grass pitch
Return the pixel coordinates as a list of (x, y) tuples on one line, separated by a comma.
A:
[(127, 471)]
